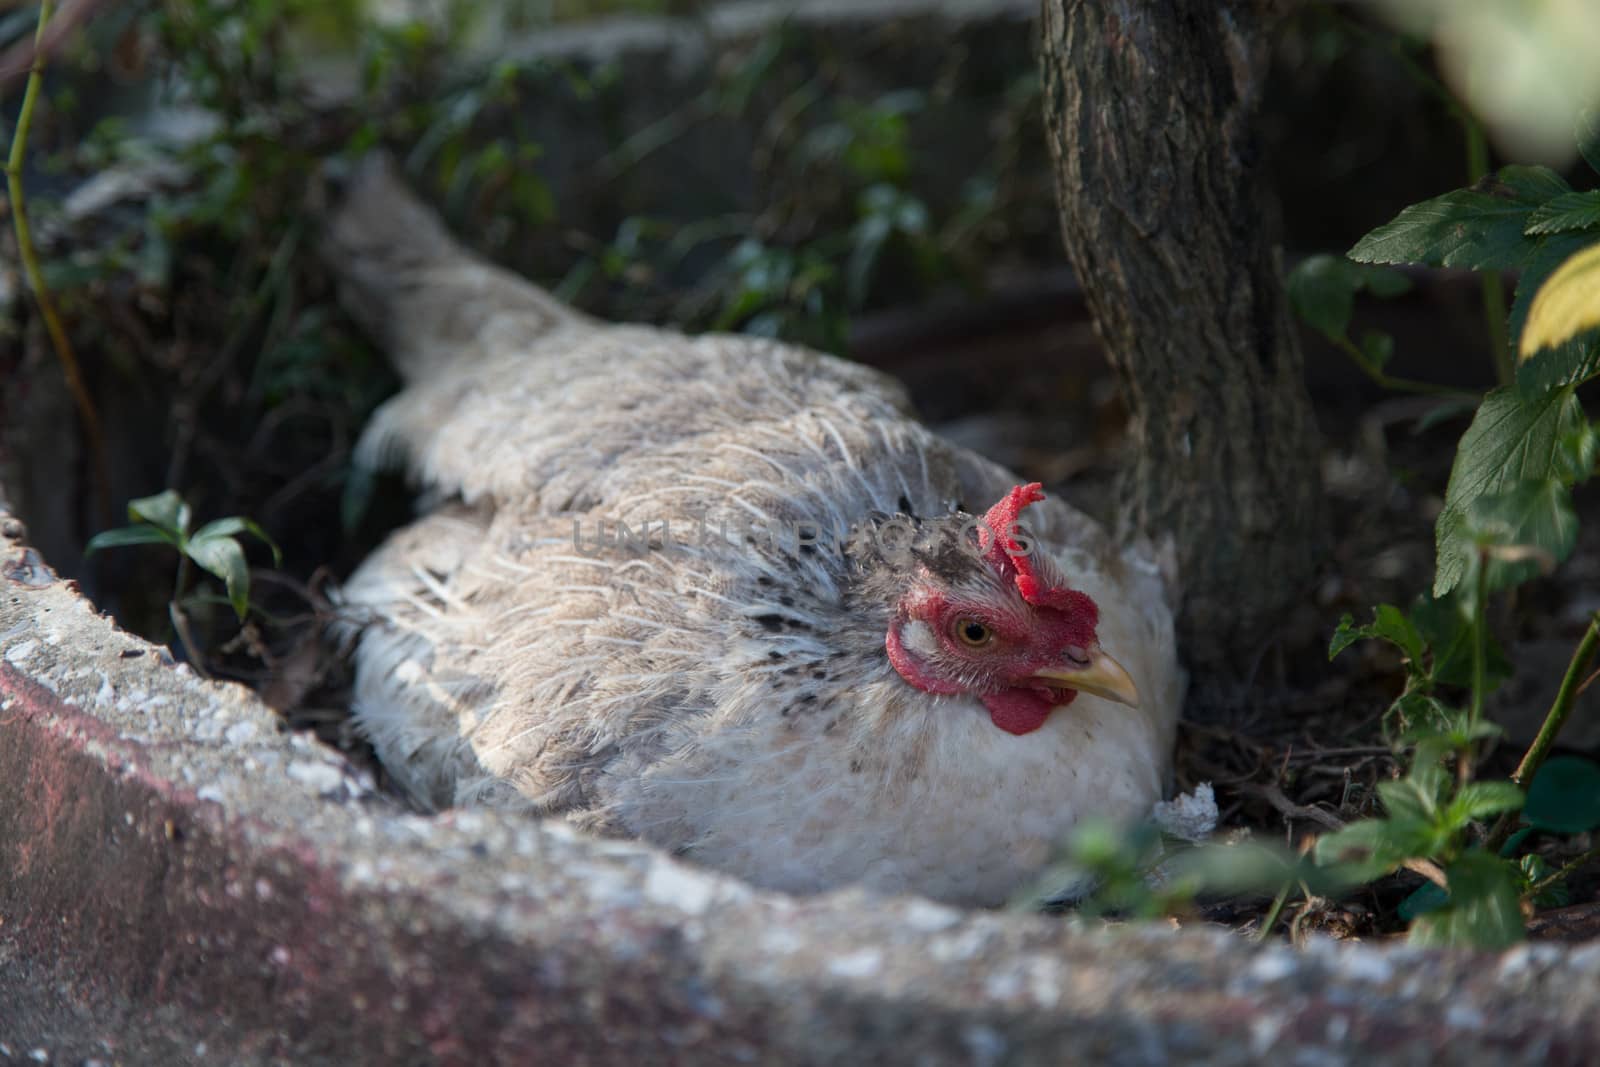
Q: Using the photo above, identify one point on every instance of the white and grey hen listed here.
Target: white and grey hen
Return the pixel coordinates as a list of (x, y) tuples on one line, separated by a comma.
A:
[(729, 596)]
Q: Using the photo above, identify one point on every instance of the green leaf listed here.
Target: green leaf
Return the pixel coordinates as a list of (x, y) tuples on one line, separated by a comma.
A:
[(1388, 623), (1250, 867), (1452, 723), (1384, 282), (1534, 870), (1564, 797), (1443, 411), (1422, 717), (1580, 451), (222, 556), (1370, 848), (1427, 897), (1484, 909), (1322, 290), (166, 510), (1448, 733), (1515, 841), (1414, 798), (1363, 850), (1480, 228), (1447, 629), (143, 534), (1529, 528), (1569, 211), (1512, 439), (221, 528), (236, 524), (1479, 800)]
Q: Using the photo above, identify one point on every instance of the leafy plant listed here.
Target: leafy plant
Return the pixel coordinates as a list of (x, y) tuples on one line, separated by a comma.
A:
[(1143, 873), (1437, 823), (1507, 518), (164, 519), (843, 225)]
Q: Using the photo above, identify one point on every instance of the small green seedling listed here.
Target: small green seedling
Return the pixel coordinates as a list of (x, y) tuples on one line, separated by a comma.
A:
[(164, 519)]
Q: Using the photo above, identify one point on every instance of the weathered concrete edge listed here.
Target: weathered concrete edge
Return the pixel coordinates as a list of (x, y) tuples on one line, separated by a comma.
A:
[(163, 848)]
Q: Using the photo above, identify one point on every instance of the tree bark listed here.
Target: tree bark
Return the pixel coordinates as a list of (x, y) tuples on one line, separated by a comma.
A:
[(1150, 113)]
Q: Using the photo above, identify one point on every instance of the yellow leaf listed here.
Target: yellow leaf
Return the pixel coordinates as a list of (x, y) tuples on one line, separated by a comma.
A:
[(1567, 303)]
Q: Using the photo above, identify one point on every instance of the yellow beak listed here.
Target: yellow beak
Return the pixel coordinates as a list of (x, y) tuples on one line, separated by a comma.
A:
[(1103, 677)]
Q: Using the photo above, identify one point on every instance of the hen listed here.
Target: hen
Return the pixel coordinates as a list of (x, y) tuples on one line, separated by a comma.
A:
[(727, 595)]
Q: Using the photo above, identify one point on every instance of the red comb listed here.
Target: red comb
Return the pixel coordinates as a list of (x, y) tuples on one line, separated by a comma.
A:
[(1006, 552)]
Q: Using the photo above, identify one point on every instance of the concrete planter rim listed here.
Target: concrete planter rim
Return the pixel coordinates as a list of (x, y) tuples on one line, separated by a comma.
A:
[(165, 849)]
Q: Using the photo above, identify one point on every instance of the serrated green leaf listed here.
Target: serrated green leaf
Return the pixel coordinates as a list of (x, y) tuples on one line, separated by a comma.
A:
[(1388, 623), (1564, 797), (143, 534), (223, 557), (1422, 715), (1568, 303), (1479, 800), (1414, 798), (1479, 228), (1484, 909), (1531, 527), (1454, 724), (1531, 184), (1512, 439), (166, 509), (1569, 211), (1451, 732)]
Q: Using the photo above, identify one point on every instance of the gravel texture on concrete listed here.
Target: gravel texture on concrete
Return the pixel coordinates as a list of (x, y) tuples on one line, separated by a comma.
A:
[(183, 882)]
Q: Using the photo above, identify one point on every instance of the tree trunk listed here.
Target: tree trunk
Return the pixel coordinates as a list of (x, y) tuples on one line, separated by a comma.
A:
[(1150, 112)]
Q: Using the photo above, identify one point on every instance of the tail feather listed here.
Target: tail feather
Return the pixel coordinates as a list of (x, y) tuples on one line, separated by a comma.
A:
[(419, 293)]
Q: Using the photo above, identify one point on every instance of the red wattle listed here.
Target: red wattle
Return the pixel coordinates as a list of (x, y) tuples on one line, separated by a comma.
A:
[(1021, 711)]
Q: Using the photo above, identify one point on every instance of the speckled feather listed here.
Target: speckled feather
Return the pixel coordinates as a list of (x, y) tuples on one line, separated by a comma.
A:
[(730, 702)]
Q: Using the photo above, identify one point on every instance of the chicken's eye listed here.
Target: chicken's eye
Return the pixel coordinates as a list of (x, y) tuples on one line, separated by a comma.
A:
[(973, 634)]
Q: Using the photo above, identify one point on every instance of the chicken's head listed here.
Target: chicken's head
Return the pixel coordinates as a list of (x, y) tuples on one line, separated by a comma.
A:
[(988, 615)]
